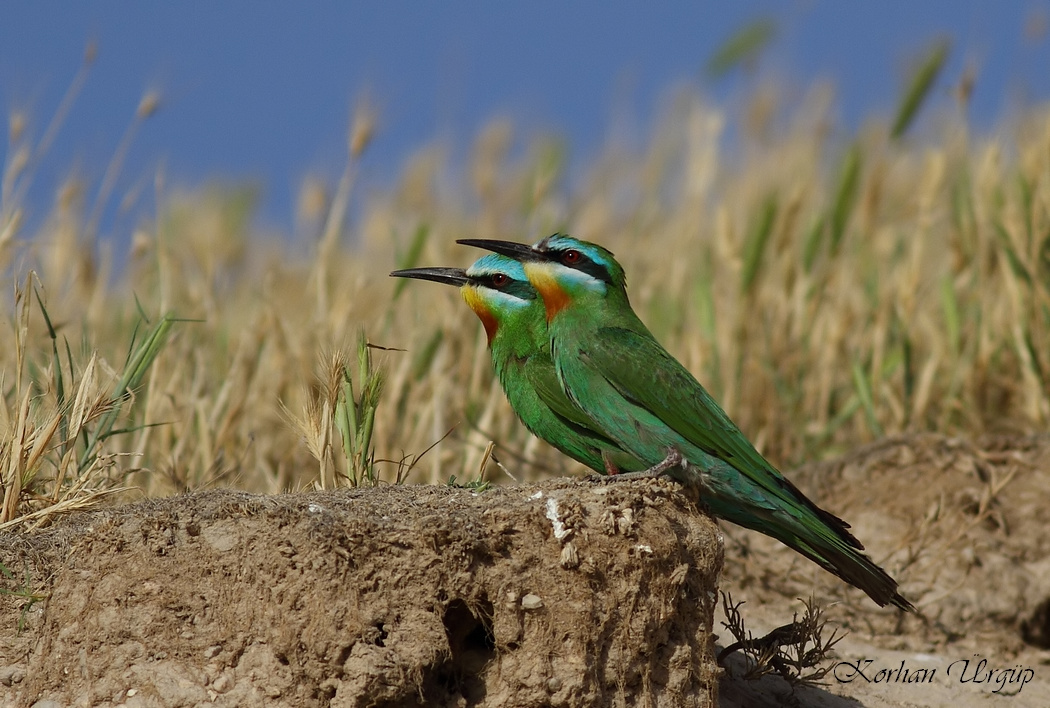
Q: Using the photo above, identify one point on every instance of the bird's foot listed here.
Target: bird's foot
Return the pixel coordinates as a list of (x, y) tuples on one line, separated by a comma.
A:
[(674, 459)]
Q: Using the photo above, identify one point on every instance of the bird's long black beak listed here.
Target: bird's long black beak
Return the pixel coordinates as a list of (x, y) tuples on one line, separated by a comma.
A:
[(449, 276), (517, 251)]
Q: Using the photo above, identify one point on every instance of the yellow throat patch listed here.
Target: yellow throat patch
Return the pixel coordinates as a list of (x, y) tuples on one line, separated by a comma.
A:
[(476, 303)]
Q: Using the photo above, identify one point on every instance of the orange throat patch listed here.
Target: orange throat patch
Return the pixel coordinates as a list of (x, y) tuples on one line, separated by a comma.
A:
[(474, 301), (555, 299)]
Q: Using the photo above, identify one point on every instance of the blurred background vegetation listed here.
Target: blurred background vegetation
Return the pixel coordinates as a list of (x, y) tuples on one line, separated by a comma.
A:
[(828, 287)]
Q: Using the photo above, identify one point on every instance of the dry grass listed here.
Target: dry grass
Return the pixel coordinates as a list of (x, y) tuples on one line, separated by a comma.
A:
[(828, 290), (794, 651)]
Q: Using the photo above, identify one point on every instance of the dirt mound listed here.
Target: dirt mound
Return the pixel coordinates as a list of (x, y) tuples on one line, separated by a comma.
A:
[(559, 593)]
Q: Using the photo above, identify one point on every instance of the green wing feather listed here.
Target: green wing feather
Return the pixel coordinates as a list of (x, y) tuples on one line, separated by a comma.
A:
[(642, 371), (540, 374), (531, 385)]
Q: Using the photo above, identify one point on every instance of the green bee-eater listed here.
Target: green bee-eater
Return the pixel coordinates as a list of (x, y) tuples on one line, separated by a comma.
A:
[(638, 395), (515, 320)]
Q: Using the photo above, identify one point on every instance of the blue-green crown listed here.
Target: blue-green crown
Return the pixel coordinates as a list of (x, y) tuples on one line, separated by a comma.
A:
[(484, 272)]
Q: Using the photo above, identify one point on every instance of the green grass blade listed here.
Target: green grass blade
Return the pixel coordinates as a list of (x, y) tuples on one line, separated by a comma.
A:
[(919, 87), (708, 317), (56, 364), (863, 389), (907, 358), (410, 257), (950, 305), (742, 48), (1027, 197), (345, 419), (134, 429), (1043, 261), (1012, 258), (845, 195), (1033, 356), (425, 357), (757, 238), (811, 244), (139, 360), (355, 417)]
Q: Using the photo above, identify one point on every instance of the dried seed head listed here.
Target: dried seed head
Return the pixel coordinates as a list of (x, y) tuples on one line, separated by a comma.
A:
[(16, 126), (70, 194), (148, 105), (1036, 26), (313, 201), (141, 244), (362, 129)]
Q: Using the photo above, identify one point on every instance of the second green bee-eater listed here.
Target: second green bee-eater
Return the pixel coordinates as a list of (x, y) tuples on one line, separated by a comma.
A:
[(638, 395), (515, 321)]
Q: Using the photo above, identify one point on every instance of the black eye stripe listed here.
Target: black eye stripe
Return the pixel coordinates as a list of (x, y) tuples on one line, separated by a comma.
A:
[(584, 265), (520, 289)]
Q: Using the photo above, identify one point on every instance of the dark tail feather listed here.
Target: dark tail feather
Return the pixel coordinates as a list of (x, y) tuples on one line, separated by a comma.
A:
[(794, 520), (830, 545), (857, 569), (853, 566)]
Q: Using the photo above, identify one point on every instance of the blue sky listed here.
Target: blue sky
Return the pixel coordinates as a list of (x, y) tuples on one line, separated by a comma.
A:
[(262, 91)]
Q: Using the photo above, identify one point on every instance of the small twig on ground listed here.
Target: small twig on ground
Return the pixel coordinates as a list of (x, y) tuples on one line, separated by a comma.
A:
[(794, 651)]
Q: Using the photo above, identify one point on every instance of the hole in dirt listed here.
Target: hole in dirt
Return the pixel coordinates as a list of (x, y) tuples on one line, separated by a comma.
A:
[(472, 646), (1036, 628), (381, 634)]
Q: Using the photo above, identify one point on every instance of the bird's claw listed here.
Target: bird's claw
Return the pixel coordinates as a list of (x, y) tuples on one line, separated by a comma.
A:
[(674, 459)]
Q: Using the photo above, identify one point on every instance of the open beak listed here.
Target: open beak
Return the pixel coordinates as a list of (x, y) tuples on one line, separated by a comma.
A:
[(517, 251), (449, 276)]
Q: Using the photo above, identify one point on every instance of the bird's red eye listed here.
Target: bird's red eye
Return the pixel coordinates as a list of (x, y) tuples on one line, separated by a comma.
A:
[(499, 279), (571, 257)]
